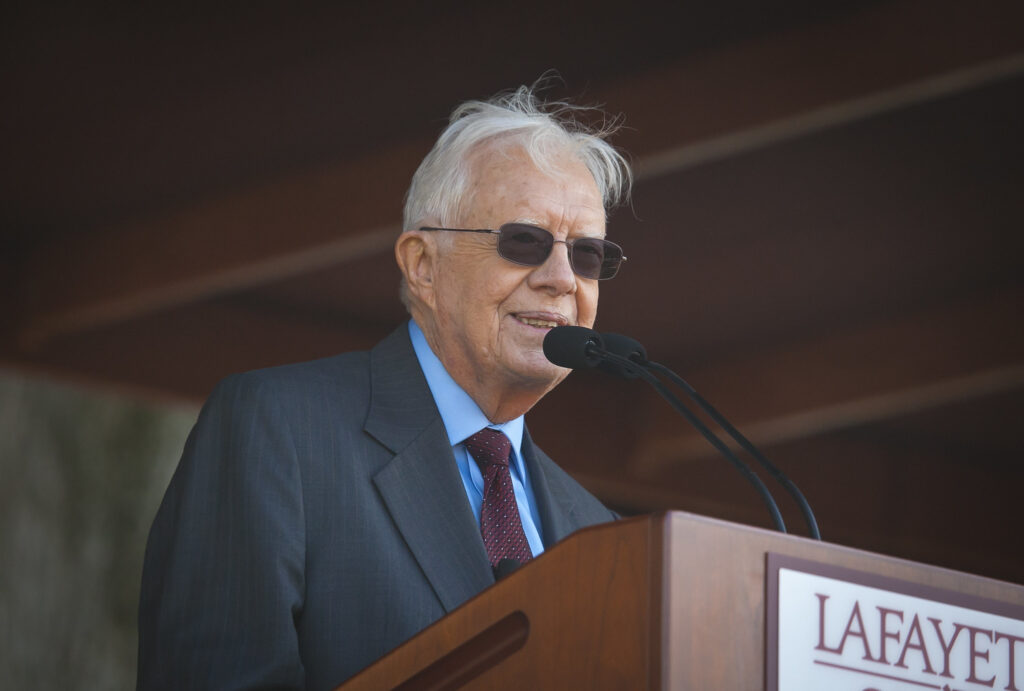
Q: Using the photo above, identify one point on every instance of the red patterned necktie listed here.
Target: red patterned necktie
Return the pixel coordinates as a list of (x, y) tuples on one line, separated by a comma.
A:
[(499, 515)]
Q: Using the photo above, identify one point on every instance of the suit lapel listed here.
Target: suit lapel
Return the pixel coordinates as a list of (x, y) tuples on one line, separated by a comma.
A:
[(421, 486), (554, 504)]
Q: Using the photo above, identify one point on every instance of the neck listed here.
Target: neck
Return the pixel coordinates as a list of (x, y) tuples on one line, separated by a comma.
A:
[(500, 406)]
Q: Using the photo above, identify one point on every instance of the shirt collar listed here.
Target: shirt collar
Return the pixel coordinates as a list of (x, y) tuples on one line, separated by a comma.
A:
[(461, 415)]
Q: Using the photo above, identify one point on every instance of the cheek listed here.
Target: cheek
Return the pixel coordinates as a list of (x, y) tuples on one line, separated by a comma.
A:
[(481, 312), (456, 312), (586, 305), (506, 287)]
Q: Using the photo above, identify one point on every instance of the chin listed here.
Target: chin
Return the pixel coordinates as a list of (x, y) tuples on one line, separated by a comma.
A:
[(541, 374)]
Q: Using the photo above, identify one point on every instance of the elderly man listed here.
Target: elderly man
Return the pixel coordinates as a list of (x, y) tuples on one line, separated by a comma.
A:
[(325, 512)]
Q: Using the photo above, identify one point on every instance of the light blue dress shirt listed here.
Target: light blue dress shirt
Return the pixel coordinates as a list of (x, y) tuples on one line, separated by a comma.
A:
[(463, 418)]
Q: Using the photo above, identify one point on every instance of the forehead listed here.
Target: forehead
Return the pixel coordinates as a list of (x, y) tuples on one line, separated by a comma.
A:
[(506, 185)]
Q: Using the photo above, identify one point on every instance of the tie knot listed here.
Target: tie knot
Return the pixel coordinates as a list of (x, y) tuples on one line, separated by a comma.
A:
[(489, 446)]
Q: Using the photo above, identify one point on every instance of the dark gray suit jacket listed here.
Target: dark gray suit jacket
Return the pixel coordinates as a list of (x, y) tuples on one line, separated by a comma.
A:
[(317, 520)]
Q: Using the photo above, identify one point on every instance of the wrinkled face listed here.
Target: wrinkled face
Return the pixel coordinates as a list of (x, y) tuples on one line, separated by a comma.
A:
[(491, 314)]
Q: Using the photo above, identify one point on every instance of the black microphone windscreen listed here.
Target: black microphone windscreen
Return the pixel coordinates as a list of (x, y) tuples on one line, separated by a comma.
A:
[(570, 346), (626, 347)]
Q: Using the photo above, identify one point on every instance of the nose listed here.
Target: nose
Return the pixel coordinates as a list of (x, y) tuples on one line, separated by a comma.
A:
[(555, 275)]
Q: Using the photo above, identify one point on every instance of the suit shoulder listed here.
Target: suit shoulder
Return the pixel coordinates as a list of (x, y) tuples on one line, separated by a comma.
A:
[(340, 374)]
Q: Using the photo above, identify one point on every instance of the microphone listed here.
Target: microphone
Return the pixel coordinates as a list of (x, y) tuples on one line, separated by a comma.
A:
[(574, 347), (626, 347), (629, 348), (577, 347)]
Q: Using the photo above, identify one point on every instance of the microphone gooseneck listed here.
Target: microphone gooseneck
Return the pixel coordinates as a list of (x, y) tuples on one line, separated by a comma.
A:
[(773, 470), (582, 348), (673, 400)]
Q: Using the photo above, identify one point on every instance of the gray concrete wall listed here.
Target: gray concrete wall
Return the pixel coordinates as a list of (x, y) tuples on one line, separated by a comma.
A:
[(81, 475)]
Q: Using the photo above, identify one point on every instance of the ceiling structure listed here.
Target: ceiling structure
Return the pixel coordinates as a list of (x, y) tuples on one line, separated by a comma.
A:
[(825, 236)]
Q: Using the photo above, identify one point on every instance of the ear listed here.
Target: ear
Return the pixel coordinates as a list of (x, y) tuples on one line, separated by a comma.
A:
[(416, 254)]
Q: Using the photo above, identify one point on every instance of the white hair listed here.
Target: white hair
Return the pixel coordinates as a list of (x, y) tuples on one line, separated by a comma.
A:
[(545, 131)]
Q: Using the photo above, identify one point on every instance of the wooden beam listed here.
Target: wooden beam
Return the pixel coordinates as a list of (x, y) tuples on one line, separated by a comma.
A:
[(180, 354), (967, 348), (220, 247), (698, 110), (826, 116), (788, 85), (942, 502), (867, 410)]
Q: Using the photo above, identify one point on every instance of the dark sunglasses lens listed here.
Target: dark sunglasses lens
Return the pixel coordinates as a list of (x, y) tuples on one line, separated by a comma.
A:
[(531, 246), (594, 258), (525, 244), (587, 257)]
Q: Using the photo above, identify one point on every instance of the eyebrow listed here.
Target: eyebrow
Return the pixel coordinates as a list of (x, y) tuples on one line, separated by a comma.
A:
[(541, 224)]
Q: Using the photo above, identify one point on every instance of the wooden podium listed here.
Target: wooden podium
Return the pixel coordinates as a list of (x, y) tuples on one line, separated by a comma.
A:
[(670, 601)]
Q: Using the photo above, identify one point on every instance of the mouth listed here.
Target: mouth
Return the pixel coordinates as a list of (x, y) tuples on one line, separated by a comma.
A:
[(541, 320)]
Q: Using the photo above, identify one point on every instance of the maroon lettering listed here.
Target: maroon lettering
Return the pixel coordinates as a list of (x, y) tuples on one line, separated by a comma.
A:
[(884, 633), (910, 644), (859, 632), (976, 654), (946, 648), (821, 626), (1012, 643)]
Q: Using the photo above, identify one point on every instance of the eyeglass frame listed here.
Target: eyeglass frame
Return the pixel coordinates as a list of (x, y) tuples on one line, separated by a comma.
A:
[(568, 244)]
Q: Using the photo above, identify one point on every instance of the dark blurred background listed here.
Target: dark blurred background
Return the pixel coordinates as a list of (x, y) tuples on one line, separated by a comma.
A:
[(825, 240)]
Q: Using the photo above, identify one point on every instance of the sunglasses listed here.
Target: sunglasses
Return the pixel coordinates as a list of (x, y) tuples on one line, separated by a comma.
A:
[(529, 245)]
